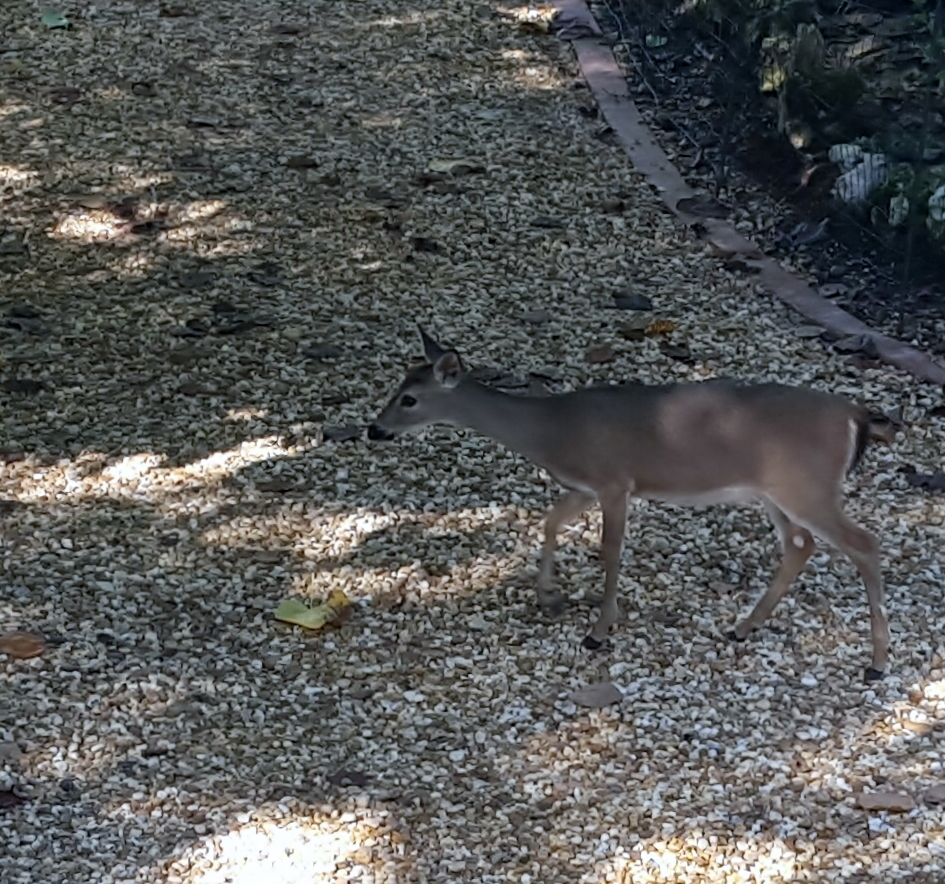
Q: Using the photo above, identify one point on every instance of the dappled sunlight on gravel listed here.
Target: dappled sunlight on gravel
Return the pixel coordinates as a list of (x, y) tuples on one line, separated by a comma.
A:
[(168, 478)]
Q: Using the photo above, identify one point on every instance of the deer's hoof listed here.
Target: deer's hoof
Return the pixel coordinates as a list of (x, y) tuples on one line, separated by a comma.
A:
[(595, 644), (874, 674), (733, 636)]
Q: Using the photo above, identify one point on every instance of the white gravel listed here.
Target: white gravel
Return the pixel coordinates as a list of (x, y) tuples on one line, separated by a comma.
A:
[(162, 494)]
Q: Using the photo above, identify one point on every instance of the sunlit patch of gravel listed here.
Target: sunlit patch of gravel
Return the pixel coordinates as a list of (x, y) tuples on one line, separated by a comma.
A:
[(168, 483)]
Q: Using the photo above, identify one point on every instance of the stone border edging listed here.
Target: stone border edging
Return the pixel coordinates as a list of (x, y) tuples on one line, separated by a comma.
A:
[(576, 25)]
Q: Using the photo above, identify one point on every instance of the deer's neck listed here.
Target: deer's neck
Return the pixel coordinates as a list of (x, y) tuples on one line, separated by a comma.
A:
[(517, 422)]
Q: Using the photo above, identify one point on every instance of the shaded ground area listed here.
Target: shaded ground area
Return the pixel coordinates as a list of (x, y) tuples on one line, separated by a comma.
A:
[(220, 223), (700, 93)]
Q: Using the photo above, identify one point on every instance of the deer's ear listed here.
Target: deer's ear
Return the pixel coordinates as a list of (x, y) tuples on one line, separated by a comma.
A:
[(431, 349), (448, 369)]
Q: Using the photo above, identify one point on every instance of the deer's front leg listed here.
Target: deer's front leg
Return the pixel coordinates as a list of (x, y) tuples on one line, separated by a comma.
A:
[(572, 504), (614, 506)]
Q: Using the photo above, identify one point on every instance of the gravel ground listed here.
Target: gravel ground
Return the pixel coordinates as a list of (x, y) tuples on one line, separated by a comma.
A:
[(220, 223)]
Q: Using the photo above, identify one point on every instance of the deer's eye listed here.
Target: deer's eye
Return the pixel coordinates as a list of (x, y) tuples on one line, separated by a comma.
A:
[(408, 401)]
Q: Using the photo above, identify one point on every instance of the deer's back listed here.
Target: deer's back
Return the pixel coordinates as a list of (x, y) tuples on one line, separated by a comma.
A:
[(692, 439)]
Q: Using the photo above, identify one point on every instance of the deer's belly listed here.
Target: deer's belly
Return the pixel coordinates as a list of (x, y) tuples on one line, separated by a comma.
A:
[(729, 494)]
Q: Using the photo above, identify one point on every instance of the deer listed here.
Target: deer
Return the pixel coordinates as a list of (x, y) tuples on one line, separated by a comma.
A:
[(695, 443)]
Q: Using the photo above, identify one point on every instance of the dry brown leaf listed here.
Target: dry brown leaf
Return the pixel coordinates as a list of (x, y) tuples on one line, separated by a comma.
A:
[(9, 798), (935, 795), (597, 696), (660, 327), (600, 354), (21, 645), (897, 802)]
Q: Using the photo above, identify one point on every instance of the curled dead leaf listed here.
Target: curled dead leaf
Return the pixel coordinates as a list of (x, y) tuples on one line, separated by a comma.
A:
[(897, 802), (9, 798), (342, 434), (456, 167), (926, 481), (935, 795), (601, 354), (702, 207), (21, 645), (660, 327), (597, 696)]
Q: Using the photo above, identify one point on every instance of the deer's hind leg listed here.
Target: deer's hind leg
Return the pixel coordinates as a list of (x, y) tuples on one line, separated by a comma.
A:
[(797, 545), (862, 548), (820, 514)]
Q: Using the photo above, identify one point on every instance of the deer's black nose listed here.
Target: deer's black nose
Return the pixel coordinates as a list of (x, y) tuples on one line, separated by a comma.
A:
[(377, 433)]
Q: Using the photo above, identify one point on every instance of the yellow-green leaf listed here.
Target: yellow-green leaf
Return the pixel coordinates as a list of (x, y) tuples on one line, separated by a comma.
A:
[(295, 612)]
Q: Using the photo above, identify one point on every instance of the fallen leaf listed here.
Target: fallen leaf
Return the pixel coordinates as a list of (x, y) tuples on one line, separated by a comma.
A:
[(660, 327), (897, 802), (927, 481), (267, 274), (53, 18), (342, 434), (302, 162), (65, 94), (21, 645), (93, 202), (10, 752), (857, 344), (322, 351), (196, 279), (456, 167), (9, 798), (601, 354), (335, 399), (269, 556), (349, 778), (299, 614), (631, 301), (702, 207), (144, 89), (808, 331), (679, 353), (807, 232), (24, 386), (336, 606), (935, 795), (538, 26), (861, 361), (176, 10), (739, 265), (607, 135), (833, 290), (277, 486), (917, 727), (549, 222), (597, 696), (425, 244), (630, 333)]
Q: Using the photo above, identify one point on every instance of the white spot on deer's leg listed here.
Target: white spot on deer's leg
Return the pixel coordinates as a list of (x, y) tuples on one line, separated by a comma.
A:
[(854, 433), (798, 541)]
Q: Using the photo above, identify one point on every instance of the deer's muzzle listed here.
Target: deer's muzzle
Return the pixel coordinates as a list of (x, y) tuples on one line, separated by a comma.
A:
[(376, 433)]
